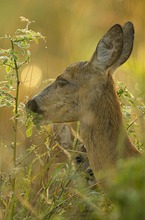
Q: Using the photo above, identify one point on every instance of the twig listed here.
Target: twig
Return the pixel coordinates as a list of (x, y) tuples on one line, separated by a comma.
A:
[(135, 120)]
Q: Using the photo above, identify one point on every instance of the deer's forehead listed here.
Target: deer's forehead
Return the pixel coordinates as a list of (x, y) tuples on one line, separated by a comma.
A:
[(75, 70), (81, 71)]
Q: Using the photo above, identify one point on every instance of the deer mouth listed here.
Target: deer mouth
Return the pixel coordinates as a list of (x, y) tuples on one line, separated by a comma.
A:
[(34, 111)]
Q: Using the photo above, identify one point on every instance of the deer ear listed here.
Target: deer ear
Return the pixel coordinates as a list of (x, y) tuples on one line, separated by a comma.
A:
[(128, 39), (108, 49)]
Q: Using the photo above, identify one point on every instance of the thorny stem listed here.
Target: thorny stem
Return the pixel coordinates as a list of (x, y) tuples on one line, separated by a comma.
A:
[(140, 116), (15, 130), (16, 105)]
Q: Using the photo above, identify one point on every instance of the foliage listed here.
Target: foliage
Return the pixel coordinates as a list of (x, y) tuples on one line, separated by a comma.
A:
[(12, 59), (133, 109), (128, 191), (30, 190)]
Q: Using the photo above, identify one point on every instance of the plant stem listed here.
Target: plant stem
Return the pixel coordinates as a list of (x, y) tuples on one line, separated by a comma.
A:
[(15, 130), (16, 105)]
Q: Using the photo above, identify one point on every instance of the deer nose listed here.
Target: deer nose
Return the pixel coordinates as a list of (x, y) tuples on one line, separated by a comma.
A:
[(33, 106)]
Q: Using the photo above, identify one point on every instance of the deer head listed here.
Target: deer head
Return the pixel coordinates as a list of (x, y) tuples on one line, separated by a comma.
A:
[(80, 85)]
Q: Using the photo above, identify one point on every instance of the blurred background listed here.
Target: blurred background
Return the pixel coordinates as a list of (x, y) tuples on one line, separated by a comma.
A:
[(72, 30)]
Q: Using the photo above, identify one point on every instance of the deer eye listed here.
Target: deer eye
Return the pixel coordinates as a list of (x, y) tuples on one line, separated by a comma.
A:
[(62, 82)]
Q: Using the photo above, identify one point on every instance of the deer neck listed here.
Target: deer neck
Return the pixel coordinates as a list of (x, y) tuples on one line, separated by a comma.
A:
[(103, 132)]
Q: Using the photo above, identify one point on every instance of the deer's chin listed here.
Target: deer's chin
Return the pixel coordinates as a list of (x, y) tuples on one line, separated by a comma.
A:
[(39, 119)]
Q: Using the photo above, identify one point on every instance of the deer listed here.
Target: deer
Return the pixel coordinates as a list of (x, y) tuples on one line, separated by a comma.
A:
[(64, 137), (86, 92)]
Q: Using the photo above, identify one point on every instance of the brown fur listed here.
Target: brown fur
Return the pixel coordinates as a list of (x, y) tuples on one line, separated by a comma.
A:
[(85, 92), (106, 137)]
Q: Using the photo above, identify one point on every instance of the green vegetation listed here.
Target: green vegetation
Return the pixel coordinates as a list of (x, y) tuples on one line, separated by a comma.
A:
[(37, 186)]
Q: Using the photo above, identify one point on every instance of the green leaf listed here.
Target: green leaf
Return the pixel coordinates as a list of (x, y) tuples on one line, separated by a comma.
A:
[(5, 61), (8, 69), (28, 53), (15, 57), (11, 82), (29, 132), (23, 52), (36, 40), (8, 104)]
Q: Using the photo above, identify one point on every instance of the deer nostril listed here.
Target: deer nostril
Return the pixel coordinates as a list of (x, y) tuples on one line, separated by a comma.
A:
[(33, 106)]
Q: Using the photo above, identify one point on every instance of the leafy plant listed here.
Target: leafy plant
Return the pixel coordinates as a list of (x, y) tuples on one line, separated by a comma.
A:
[(12, 59), (133, 109), (127, 191)]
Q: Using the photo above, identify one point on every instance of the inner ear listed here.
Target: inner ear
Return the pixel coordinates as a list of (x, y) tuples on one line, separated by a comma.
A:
[(128, 39), (108, 49)]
